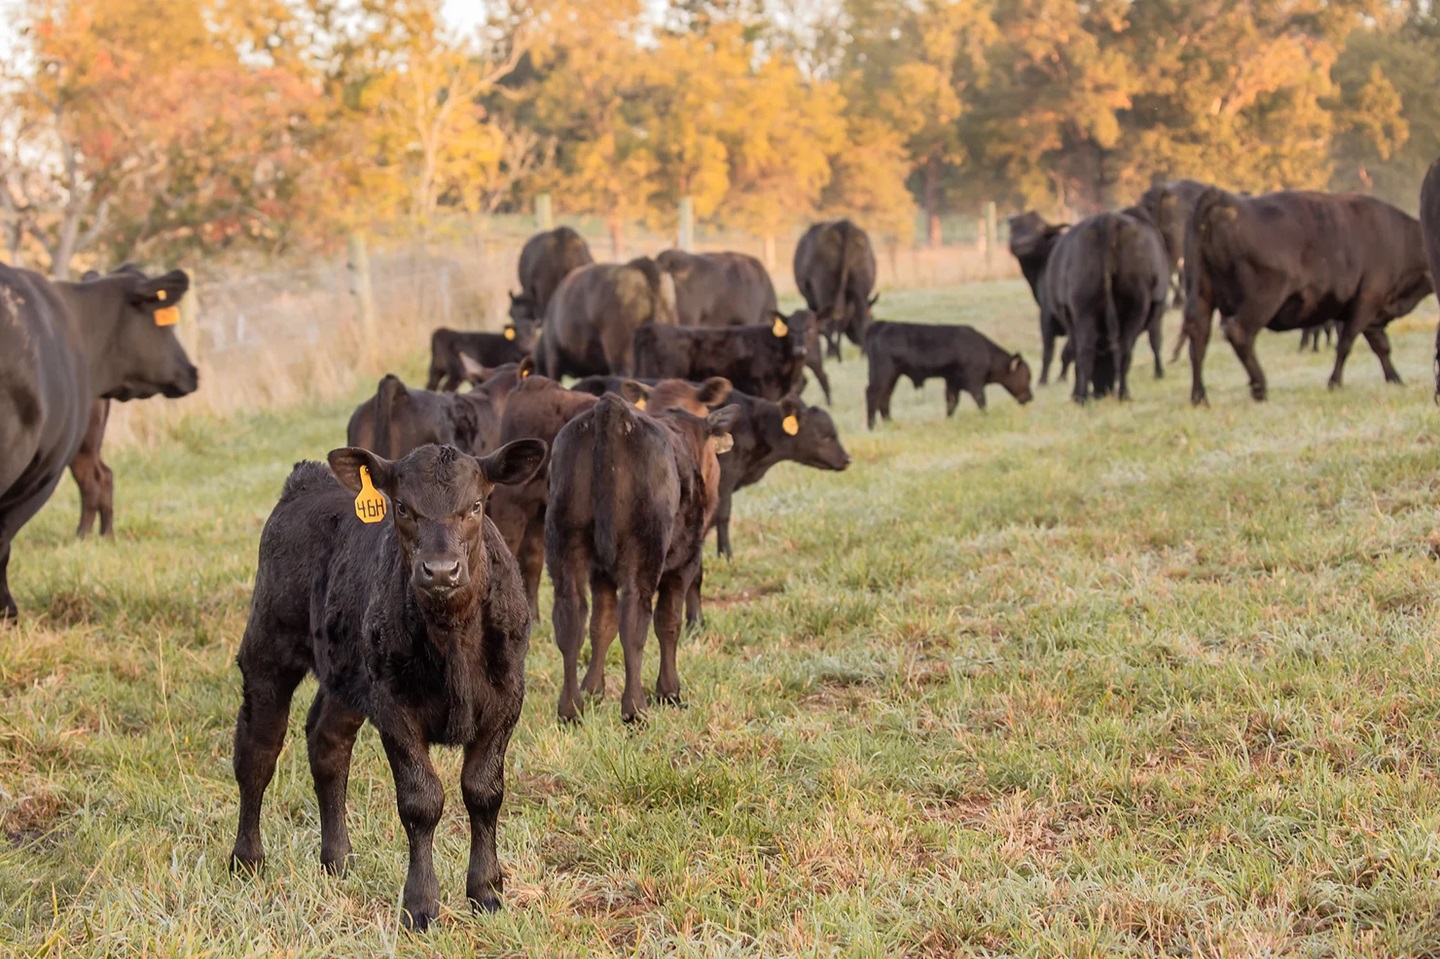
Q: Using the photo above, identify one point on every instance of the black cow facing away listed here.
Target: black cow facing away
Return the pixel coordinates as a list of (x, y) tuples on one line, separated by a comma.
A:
[(63, 345), (835, 272), (764, 360), (630, 496), (1106, 282), (963, 357), (1430, 227), (596, 311), (545, 260), (1294, 259), (719, 289), (398, 419), (1169, 206), (456, 354), (417, 622)]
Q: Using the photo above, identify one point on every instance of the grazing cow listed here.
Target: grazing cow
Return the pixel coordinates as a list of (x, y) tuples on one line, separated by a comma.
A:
[(1169, 206), (631, 495), (963, 357), (764, 360), (95, 479), (1292, 259), (412, 617), (1032, 240), (1106, 283), (63, 345), (835, 271), (596, 311), (719, 289), (545, 260), (450, 349), (1430, 227), (1310, 336), (398, 419), (538, 409)]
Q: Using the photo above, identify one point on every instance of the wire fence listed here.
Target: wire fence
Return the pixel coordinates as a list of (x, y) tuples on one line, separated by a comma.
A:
[(277, 338)]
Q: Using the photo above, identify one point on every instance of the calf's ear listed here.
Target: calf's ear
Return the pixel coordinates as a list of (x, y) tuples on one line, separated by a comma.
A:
[(474, 372), (635, 392), (527, 367), (718, 425), (791, 410), (714, 391), (514, 463), (1015, 362), (157, 293), (345, 463)]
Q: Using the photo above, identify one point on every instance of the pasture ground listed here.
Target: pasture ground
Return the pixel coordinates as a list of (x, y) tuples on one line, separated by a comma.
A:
[(1126, 680)]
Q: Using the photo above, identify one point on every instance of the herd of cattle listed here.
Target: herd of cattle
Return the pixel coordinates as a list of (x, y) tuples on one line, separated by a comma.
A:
[(405, 574)]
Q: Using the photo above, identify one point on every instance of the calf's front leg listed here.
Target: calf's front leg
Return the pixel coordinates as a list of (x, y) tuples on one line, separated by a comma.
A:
[(483, 783), (420, 800)]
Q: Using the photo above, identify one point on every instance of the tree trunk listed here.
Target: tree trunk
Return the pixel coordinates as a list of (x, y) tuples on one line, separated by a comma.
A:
[(932, 200)]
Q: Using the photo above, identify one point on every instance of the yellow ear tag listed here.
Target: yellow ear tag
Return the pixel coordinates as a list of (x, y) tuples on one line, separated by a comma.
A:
[(168, 316), (509, 332), (369, 503), (524, 372), (640, 403), (791, 424), (724, 443), (160, 295), (779, 329)]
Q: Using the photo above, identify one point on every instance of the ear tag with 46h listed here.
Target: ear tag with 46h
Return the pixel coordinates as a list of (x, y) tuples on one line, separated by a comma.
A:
[(369, 502)]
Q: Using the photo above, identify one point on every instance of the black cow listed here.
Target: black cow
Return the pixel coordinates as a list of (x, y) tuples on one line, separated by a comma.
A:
[(1430, 228), (835, 272), (963, 357), (1106, 283), (455, 354), (595, 312), (416, 622), (1293, 259), (765, 433), (719, 289), (1169, 205), (631, 493), (1031, 242), (398, 419), (545, 260), (63, 345), (766, 360)]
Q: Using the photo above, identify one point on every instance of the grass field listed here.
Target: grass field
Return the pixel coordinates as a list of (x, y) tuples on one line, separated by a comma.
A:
[(1047, 681)]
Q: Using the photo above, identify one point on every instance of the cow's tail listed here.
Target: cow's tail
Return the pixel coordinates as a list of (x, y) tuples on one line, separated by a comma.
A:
[(612, 419), (662, 288), (390, 392), (1115, 234), (1213, 206), (842, 292)]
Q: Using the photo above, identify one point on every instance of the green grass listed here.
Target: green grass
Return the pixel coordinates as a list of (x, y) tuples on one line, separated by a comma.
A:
[(1047, 681)]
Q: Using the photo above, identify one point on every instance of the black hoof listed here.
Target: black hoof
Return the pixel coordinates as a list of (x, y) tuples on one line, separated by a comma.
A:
[(416, 921), (246, 867), (486, 904)]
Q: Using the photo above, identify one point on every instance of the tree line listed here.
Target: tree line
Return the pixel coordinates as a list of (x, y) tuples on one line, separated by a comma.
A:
[(152, 129)]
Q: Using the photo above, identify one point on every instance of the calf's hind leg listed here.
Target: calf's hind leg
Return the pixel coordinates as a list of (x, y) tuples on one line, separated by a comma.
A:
[(330, 735), (669, 609), (636, 612), (259, 734), (604, 625), (567, 569)]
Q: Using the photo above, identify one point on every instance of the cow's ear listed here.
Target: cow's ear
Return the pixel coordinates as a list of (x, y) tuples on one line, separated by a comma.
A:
[(718, 426), (635, 392), (514, 463), (714, 391), (474, 372), (791, 410), (1015, 362), (345, 463), (526, 368), (159, 292)]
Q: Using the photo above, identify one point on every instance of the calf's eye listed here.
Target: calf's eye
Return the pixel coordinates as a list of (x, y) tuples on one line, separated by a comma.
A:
[(479, 505), (400, 509)]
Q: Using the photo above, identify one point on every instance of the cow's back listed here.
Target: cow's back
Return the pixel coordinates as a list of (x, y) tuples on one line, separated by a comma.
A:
[(546, 259), (45, 388)]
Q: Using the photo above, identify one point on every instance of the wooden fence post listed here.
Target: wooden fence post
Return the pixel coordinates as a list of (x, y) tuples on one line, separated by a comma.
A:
[(544, 216), (685, 239), (359, 264), (991, 231), (189, 331)]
